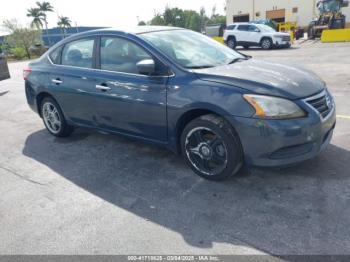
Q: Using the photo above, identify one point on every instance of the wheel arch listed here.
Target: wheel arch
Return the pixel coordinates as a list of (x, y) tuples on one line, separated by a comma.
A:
[(40, 97), (231, 36), (266, 37), (190, 115)]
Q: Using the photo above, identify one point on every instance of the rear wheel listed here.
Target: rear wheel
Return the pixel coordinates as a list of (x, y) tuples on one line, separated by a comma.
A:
[(212, 148), (231, 43), (266, 44), (53, 118)]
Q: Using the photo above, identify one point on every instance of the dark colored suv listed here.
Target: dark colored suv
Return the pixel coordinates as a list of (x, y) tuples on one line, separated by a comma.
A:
[(182, 90)]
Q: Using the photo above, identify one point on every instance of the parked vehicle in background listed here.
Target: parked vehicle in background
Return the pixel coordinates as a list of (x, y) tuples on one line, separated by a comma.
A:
[(4, 70), (182, 90), (247, 35), (330, 17)]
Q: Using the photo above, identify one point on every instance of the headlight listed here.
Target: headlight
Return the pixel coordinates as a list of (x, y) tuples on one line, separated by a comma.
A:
[(278, 36), (273, 107)]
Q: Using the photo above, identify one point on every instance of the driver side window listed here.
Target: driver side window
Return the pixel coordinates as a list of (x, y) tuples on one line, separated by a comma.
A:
[(253, 28), (121, 55)]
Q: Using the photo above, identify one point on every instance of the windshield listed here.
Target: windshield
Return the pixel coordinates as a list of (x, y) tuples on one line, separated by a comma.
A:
[(267, 28), (191, 49), (329, 6)]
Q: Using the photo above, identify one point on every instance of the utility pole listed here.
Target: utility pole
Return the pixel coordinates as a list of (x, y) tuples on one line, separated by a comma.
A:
[(253, 9), (313, 9)]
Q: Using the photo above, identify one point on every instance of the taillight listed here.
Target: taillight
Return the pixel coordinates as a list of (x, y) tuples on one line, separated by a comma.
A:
[(26, 73)]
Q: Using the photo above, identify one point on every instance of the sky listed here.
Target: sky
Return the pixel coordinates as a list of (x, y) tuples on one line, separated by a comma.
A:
[(109, 13)]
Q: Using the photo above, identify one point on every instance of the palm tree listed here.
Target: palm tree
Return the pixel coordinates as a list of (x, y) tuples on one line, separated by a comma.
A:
[(63, 23), (36, 14), (45, 7)]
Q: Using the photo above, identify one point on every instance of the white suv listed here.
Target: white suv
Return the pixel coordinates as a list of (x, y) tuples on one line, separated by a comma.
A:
[(247, 34)]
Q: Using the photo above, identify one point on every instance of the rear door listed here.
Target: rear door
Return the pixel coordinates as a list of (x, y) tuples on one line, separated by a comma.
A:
[(4, 71), (72, 80)]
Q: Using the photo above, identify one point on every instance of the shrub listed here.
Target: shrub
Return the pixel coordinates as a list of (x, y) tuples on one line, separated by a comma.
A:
[(18, 53)]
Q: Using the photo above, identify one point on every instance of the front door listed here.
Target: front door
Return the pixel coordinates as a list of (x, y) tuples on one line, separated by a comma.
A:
[(254, 34), (242, 35), (129, 102)]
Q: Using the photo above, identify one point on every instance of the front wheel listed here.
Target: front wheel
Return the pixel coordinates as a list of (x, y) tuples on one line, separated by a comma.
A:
[(231, 43), (212, 148), (53, 118), (266, 44)]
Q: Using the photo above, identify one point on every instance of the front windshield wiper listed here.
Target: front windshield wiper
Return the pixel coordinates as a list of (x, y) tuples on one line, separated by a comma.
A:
[(237, 59)]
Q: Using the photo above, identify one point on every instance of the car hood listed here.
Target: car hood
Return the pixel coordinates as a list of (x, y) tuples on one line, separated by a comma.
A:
[(266, 78)]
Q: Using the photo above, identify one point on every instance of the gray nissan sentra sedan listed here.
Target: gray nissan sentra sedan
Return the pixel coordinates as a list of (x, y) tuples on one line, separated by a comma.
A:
[(182, 90)]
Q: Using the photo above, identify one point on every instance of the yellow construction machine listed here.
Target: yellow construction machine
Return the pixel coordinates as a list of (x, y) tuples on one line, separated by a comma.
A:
[(330, 17)]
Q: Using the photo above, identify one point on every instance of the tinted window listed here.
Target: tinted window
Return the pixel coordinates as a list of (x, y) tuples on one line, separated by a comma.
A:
[(78, 53), (55, 55), (243, 27), (121, 55), (253, 28), (230, 27)]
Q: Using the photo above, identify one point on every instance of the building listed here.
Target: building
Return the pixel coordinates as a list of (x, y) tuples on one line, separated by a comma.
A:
[(57, 34), (300, 11)]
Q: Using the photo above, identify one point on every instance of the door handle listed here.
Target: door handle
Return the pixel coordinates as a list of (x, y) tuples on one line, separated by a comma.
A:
[(103, 88), (57, 81)]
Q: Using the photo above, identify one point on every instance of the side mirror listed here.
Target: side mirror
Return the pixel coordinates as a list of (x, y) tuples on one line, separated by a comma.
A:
[(257, 30), (146, 67)]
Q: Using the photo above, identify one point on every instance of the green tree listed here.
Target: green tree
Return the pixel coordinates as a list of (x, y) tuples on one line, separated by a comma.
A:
[(195, 22), (37, 16), (157, 20), (45, 7), (142, 23), (21, 37), (190, 19), (63, 23)]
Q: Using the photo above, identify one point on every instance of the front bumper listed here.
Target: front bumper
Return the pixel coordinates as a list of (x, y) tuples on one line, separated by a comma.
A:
[(284, 142), (279, 42)]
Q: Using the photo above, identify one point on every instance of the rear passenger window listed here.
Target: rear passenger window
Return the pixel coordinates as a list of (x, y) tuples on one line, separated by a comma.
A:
[(78, 53), (230, 27), (243, 27), (55, 55)]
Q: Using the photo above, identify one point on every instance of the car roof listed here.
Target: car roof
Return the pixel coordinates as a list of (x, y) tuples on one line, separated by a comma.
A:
[(135, 30), (130, 30), (240, 23)]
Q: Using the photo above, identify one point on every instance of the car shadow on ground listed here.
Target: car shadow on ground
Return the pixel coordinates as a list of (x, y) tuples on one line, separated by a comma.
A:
[(296, 210)]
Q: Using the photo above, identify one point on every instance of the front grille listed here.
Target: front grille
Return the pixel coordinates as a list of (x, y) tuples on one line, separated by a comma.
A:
[(286, 38), (322, 103)]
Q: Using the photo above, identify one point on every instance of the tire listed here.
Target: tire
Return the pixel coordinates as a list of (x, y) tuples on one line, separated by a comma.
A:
[(246, 46), (231, 42), (53, 118), (266, 43), (211, 147), (311, 34)]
